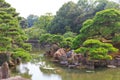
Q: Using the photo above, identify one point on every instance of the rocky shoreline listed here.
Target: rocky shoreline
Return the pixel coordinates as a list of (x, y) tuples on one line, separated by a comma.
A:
[(73, 60)]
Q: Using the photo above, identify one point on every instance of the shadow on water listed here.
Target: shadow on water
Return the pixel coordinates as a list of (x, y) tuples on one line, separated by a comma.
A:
[(41, 68)]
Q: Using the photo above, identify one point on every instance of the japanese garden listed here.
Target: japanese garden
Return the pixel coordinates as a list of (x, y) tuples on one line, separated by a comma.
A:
[(80, 42)]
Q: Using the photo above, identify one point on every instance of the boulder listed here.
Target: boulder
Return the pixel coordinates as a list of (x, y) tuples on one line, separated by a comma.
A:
[(59, 53), (52, 50), (64, 63), (5, 70), (74, 58), (5, 73)]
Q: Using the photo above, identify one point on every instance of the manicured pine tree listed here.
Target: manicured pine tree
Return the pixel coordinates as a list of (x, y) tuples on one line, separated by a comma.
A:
[(12, 37)]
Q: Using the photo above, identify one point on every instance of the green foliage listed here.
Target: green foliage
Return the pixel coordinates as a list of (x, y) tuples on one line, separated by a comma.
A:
[(65, 19), (69, 34), (45, 38), (34, 33), (44, 21), (21, 53), (78, 40), (116, 38), (96, 49), (71, 16), (92, 43), (67, 42), (81, 50), (11, 35), (56, 39), (51, 39), (31, 19), (27, 47), (24, 23), (86, 26), (105, 24)]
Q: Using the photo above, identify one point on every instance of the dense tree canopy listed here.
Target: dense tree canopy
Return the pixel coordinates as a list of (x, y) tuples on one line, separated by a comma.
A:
[(31, 19), (94, 49), (71, 16), (105, 24), (65, 18), (61, 41), (11, 35), (44, 21), (24, 23)]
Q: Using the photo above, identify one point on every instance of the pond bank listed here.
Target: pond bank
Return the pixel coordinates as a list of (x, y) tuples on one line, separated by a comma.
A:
[(46, 70), (73, 60), (41, 68)]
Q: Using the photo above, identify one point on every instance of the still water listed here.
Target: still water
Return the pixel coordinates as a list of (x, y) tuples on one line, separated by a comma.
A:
[(40, 68)]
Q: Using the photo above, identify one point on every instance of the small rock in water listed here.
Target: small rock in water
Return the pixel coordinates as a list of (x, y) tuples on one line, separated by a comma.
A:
[(63, 62), (48, 68), (111, 66), (90, 71)]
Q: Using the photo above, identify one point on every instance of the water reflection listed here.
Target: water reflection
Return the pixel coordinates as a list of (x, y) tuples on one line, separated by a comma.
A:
[(45, 70), (34, 71)]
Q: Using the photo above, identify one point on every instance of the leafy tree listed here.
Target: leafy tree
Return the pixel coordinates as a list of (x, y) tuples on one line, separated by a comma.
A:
[(78, 40), (67, 43), (51, 39), (24, 23), (45, 39), (31, 19), (55, 39), (71, 16), (105, 24), (34, 32), (65, 18), (88, 9), (44, 21), (69, 34), (11, 35), (96, 49), (40, 26)]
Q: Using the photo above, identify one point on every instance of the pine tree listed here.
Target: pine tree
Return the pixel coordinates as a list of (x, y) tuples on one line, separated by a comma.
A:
[(12, 37)]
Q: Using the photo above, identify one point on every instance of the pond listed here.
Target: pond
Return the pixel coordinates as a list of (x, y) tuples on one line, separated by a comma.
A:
[(40, 68)]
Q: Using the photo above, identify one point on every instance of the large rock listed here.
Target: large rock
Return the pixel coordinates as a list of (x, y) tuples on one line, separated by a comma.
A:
[(4, 71), (52, 50), (59, 54)]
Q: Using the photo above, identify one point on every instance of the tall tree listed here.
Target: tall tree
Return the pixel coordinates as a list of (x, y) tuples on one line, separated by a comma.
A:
[(96, 50), (23, 23), (89, 8), (44, 21), (104, 26), (65, 18), (71, 16), (11, 35), (106, 23), (31, 19)]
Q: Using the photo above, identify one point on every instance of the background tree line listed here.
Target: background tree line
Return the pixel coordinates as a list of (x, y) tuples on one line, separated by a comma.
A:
[(76, 23), (70, 16)]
